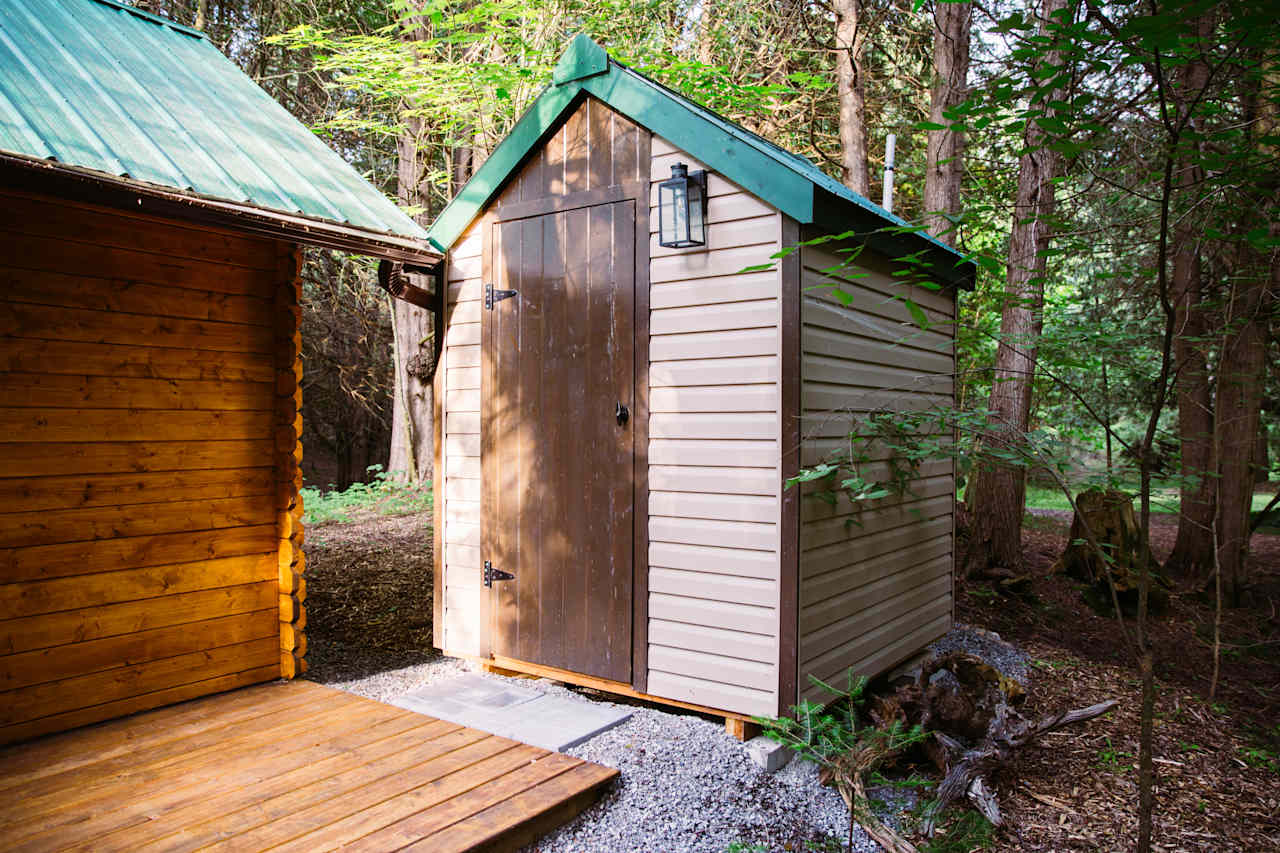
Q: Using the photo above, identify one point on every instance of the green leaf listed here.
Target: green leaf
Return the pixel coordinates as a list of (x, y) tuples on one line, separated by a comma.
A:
[(917, 314)]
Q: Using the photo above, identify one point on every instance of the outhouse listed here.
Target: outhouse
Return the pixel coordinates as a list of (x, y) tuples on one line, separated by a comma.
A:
[(618, 416), (152, 205)]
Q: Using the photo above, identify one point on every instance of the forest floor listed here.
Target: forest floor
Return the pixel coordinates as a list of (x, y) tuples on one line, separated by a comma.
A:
[(1218, 760), (368, 595)]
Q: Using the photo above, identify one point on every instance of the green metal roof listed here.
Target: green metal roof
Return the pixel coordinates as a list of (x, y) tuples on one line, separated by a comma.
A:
[(787, 181), (99, 85)]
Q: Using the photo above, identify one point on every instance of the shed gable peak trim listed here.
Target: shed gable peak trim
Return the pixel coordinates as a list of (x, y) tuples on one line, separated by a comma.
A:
[(583, 58)]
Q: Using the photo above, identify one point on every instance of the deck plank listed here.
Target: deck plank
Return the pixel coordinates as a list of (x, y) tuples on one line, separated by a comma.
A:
[(291, 792), (443, 815), (519, 820), (122, 775), (53, 754), (432, 783), (222, 776), (291, 766)]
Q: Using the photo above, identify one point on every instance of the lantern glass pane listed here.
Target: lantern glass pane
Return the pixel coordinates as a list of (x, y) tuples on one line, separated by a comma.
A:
[(697, 225), (680, 213), (672, 213), (664, 214)]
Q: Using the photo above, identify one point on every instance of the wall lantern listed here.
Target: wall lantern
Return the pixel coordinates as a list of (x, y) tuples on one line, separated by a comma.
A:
[(682, 208)]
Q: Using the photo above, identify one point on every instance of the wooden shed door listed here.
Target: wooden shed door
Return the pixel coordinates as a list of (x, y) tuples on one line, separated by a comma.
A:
[(558, 458)]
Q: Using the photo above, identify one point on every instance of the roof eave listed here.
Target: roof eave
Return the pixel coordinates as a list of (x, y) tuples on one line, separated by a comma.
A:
[(47, 177), (838, 215)]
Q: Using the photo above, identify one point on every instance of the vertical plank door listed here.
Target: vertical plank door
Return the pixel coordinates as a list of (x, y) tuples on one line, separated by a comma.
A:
[(558, 460)]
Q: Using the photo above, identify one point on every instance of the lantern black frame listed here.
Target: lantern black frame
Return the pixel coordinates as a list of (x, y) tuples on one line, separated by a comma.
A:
[(682, 178)]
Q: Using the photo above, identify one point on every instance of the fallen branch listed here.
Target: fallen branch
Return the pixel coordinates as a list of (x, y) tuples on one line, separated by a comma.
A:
[(880, 832), (1008, 732)]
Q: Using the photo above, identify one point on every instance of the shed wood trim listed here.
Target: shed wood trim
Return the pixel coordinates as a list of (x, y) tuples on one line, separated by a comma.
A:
[(637, 191), (438, 469), (789, 388), (640, 425), (500, 665)]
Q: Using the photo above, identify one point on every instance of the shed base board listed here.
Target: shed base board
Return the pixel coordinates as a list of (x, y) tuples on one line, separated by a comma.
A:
[(739, 725)]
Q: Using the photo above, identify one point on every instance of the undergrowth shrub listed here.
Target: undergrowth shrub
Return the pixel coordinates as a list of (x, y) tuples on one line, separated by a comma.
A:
[(384, 494)]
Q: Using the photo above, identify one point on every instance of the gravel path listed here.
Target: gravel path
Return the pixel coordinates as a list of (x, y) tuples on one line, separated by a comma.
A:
[(685, 785)]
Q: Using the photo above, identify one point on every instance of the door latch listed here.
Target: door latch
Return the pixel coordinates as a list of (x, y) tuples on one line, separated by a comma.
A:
[(491, 296), (622, 414), (491, 574)]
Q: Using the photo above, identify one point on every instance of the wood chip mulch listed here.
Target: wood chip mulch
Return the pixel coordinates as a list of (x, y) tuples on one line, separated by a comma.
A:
[(368, 596), (1217, 770)]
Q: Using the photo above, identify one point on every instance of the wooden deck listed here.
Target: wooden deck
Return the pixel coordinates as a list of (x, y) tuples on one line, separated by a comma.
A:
[(285, 766)]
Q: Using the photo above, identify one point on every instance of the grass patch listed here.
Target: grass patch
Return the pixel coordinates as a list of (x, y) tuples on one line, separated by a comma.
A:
[(383, 495), (1164, 498)]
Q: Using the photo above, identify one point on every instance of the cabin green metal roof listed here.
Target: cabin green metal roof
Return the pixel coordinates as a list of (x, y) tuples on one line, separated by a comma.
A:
[(787, 181), (98, 85)]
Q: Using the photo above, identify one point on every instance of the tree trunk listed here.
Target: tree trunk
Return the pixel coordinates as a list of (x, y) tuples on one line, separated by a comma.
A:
[(1262, 455), (1192, 556), (412, 435), (945, 158), (850, 89), (1241, 371), (1242, 363), (997, 492), (706, 33)]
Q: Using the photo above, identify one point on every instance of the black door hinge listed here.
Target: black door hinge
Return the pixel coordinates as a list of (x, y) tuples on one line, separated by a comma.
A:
[(491, 296), (491, 574)]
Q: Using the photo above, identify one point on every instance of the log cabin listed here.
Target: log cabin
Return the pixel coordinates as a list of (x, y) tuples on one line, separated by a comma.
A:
[(153, 206), (632, 371)]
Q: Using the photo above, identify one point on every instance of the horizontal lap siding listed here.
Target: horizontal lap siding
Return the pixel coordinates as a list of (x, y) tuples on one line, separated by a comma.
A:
[(874, 592), (463, 613), (138, 527), (714, 455)]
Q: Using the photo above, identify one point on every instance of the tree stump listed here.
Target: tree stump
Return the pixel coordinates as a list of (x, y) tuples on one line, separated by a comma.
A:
[(1110, 517)]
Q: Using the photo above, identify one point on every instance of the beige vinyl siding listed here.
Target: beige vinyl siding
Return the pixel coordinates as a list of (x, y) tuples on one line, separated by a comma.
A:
[(714, 454), (460, 437), (873, 593)]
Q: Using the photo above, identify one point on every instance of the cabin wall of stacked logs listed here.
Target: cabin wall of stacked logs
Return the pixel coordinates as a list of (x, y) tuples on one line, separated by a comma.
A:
[(150, 544)]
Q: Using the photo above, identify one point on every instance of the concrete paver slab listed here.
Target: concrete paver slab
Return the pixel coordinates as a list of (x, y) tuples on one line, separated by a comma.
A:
[(526, 714)]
